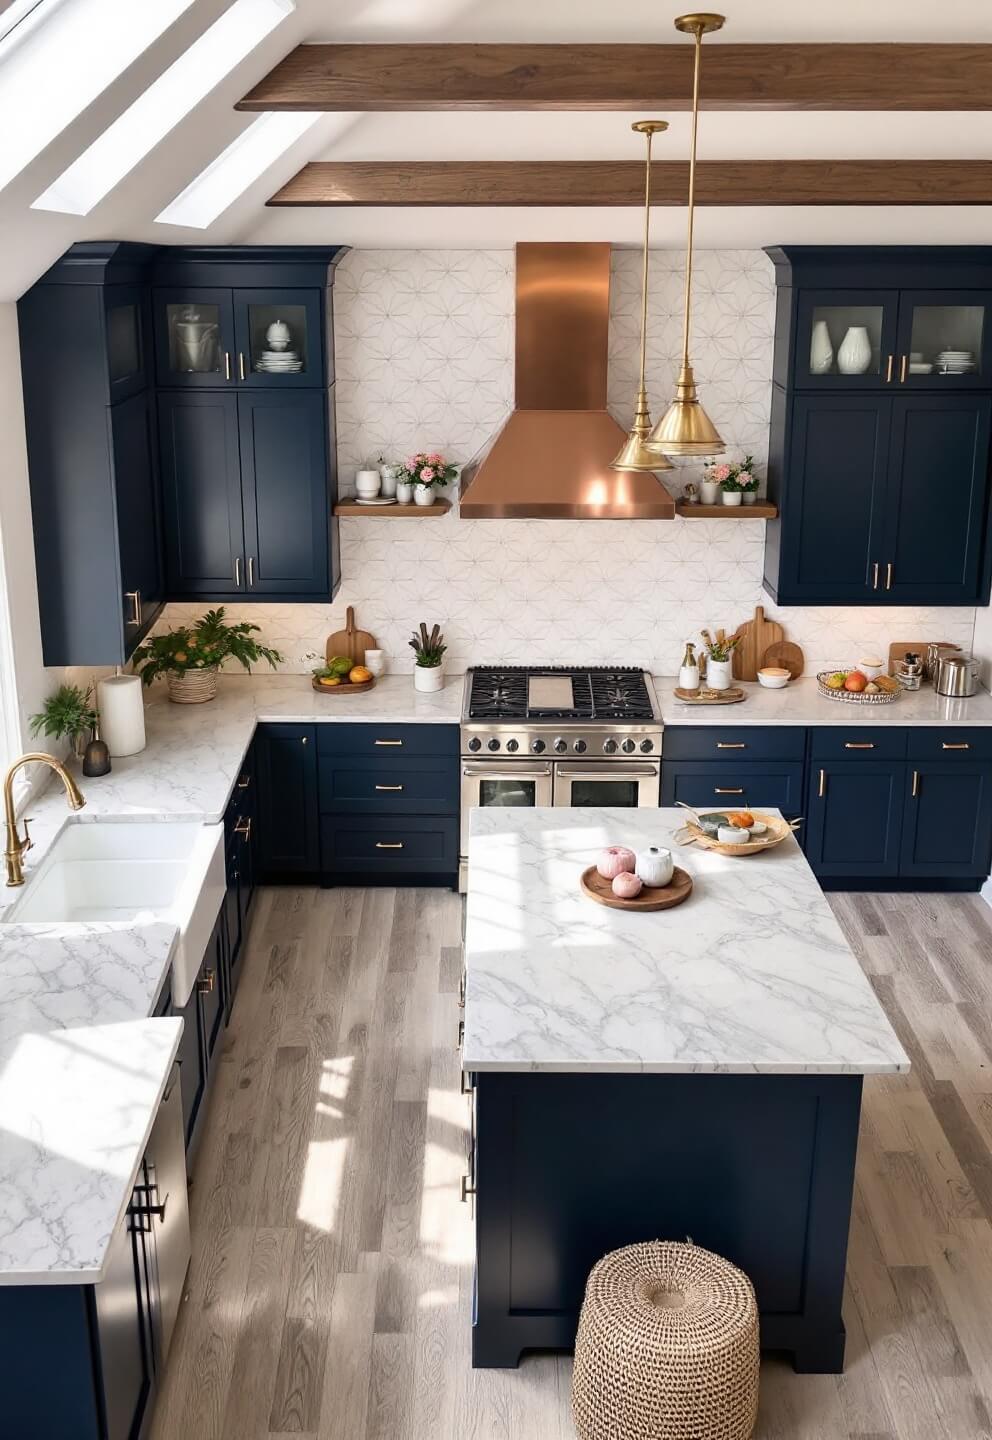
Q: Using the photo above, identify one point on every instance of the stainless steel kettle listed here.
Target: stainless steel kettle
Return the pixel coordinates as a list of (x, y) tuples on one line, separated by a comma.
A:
[(957, 675)]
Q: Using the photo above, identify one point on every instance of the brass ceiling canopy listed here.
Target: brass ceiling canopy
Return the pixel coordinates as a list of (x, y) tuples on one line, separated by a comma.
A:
[(552, 458), (634, 454), (685, 428)]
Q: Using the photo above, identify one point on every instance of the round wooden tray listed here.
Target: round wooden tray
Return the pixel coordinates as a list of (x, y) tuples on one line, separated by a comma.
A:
[(345, 688), (702, 696), (778, 829), (662, 897)]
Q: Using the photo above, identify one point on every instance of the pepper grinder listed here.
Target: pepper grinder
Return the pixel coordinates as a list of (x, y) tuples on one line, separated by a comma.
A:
[(689, 670)]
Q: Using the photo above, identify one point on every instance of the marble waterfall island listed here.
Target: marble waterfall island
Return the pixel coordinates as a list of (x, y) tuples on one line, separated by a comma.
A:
[(695, 1071)]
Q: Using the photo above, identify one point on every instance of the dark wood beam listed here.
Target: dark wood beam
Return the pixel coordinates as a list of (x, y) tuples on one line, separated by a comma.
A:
[(621, 182), (651, 78)]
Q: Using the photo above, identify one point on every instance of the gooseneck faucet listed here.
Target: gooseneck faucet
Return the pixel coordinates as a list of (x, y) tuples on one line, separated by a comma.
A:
[(15, 845)]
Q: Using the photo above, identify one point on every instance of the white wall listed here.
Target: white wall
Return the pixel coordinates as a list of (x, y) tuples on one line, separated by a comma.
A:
[(424, 346)]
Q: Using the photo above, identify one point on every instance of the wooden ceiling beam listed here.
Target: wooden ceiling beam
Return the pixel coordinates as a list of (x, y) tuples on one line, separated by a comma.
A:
[(621, 182), (649, 78)]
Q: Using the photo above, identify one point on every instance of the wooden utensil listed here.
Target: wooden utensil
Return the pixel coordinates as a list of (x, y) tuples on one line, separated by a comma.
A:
[(663, 897), (702, 696), (786, 654), (350, 641), (757, 636)]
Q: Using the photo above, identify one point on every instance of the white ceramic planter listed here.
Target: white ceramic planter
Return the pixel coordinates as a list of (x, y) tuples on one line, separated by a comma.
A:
[(404, 492), (732, 497), (387, 480), (428, 677), (423, 495), (748, 497), (655, 867), (719, 674), (367, 484), (709, 492), (854, 355)]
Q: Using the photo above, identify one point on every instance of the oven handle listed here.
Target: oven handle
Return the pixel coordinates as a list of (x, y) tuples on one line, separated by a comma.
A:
[(610, 771), (498, 770)]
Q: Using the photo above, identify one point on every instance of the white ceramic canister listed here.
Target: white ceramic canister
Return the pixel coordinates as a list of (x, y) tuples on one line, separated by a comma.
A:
[(871, 666), (367, 484), (387, 480), (655, 866), (404, 492), (709, 492), (375, 660), (719, 674), (428, 677)]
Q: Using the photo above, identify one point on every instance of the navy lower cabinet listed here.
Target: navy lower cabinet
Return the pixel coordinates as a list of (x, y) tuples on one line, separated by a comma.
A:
[(717, 768), (203, 1017), (240, 845), (854, 817), (947, 829), (288, 815)]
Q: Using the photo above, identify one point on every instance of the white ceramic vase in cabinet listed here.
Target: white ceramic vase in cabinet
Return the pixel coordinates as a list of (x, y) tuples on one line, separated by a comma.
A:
[(821, 352), (854, 355)]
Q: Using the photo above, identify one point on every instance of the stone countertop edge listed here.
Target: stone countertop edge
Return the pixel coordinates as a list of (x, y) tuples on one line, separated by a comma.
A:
[(801, 704)]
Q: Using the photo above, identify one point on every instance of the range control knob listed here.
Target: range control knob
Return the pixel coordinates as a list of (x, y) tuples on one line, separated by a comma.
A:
[(475, 743), (560, 746), (647, 746), (537, 746), (628, 747), (609, 747), (579, 747), (513, 746), (494, 743)]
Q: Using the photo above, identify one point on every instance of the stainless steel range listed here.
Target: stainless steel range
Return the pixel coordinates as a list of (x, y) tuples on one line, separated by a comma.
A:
[(558, 735)]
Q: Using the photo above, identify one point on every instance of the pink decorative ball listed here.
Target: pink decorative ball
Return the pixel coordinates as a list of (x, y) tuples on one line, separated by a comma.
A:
[(626, 886), (614, 860)]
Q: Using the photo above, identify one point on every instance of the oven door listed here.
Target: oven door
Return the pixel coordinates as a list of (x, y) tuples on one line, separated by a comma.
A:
[(609, 784), (520, 784)]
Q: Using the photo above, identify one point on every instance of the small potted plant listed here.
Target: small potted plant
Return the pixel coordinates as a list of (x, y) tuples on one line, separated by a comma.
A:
[(719, 660), (67, 714), (428, 673), (731, 488), (747, 480), (423, 471), (190, 656), (709, 486)]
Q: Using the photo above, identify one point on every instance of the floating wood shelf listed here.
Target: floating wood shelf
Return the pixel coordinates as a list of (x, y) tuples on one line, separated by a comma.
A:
[(760, 510), (394, 512)]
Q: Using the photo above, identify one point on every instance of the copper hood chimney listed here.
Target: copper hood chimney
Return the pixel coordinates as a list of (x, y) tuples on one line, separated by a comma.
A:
[(551, 460)]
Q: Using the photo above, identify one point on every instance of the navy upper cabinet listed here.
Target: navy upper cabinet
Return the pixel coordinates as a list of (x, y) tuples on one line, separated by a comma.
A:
[(880, 432), (194, 336), (133, 443), (279, 338), (201, 491), (284, 472)]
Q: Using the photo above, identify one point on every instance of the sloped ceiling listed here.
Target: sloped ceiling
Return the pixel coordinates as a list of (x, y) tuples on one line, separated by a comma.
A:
[(31, 240)]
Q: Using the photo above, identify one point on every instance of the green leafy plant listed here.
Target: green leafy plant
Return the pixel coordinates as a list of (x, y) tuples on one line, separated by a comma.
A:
[(720, 649), (731, 484), (429, 649), (66, 714), (204, 645)]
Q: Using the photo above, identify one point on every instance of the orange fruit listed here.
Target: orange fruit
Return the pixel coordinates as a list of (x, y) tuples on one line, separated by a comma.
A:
[(743, 820), (358, 674)]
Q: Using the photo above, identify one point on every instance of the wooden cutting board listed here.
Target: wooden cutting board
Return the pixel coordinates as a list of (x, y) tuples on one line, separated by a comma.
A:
[(350, 641), (758, 635), (788, 656)]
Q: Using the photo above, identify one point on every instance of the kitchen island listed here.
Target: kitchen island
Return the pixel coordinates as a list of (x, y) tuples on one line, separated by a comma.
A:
[(696, 1071)]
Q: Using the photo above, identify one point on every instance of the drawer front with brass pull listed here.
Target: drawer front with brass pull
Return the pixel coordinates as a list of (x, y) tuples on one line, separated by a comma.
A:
[(725, 743), (858, 742), (374, 844), (397, 786), (952, 743), (387, 744), (723, 785)]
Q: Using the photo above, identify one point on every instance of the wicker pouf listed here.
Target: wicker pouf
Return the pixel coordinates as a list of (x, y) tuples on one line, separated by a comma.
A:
[(667, 1347)]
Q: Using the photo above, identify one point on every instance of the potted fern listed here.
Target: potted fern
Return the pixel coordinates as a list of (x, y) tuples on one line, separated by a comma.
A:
[(428, 673), (190, 656), (67, 714)]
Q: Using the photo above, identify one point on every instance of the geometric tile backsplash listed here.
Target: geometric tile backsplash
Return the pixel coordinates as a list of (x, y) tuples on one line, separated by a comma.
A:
[(424, 360)]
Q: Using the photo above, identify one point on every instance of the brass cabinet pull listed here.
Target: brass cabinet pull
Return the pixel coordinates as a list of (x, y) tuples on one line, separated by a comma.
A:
[(389, 787), (465, 1084), (888, 370), (859, 745), (389, 844), (888, 576), (823, 784), (461, 1035), (135, 598), (389, 742), (304, 739), (244, 782), (243, 827), (251, 571), (725, 791), (461, 991), (960, 745), (241, 365), (728, 745), (874, 583), (465, 1189), (206, 985), (916, 783), (237, 571), (227, 364), (903, 362)]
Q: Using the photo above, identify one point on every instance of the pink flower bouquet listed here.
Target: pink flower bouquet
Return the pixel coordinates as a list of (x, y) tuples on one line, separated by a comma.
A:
[(427, 468)]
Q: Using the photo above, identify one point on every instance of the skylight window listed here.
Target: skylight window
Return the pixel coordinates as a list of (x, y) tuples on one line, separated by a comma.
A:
[(68, 58), (235, 168), (15, 13), (172, 96)]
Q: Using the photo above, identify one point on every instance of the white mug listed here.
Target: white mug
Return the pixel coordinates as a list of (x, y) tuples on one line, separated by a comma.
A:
[(655, 866), (375, 660)]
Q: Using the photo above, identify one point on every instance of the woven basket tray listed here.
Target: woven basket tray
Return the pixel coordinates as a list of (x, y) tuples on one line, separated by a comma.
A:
[(851, 697), (778, 830)]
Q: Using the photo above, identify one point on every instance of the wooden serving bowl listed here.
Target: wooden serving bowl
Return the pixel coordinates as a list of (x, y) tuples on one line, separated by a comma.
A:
[(655, 897)]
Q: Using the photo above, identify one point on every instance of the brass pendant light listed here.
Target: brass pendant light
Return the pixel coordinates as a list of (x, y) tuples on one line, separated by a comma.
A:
[(685, 428), (635, 454)]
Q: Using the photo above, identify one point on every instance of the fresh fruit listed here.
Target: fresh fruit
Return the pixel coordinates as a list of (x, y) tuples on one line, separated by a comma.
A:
[(856, 682), (614, 860), (328, 679), (340, 664), (871, 688), (358, 674), (741, 820), (626, 886), (835, 681), (887, 683)]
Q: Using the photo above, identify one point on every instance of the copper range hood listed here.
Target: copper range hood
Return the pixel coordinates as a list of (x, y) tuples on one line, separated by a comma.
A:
[(551, 460)]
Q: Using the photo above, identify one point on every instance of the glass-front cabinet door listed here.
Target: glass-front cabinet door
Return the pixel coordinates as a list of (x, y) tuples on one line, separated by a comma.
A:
[(846, 339), (194, 338), (944, 340), (125, 332), (278, 338)]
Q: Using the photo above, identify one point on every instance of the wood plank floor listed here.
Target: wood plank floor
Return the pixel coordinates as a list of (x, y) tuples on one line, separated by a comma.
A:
[(330, 1291)]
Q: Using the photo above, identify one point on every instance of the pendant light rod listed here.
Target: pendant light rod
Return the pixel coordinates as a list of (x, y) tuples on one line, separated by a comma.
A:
[(648, 128), (697, 58)]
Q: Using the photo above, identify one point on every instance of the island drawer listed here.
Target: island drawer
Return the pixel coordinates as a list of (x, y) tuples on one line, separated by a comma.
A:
[(725, 743), (417, 786), (386, 742), (838, 742), (952, 743), (392, 844), (713, 787)]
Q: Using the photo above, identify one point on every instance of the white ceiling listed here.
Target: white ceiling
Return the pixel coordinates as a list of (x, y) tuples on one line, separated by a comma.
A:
[(31, 240)]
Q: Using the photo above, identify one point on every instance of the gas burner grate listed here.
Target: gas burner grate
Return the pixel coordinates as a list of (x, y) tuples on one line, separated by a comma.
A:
[(598, 693), (498, 694), (620, 695)]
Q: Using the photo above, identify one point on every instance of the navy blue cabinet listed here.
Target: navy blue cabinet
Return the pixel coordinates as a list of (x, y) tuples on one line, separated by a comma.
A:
[(854, 817), (947, 829), (202, 1017), (717, 768), (880, 436), (286, 770), (241, 842), (284, 472), (133, 447), (201, 490)]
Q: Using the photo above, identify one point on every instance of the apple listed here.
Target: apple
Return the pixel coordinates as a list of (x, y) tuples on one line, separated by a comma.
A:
[(856, 681)]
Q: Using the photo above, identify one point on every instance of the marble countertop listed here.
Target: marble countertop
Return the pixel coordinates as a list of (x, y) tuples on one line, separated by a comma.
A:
[(750, 975), (801, 703), (76, 1110)]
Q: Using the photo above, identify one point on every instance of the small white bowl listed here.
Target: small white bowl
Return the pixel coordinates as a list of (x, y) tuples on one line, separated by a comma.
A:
[(731, 835), (773, 678)]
